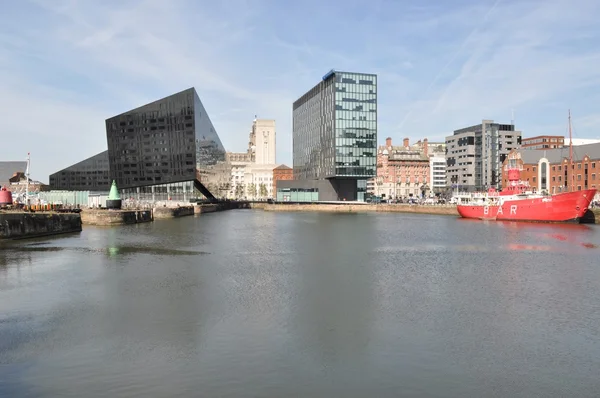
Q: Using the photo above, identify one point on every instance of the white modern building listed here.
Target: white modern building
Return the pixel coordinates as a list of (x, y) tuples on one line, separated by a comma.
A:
[(437, 173)]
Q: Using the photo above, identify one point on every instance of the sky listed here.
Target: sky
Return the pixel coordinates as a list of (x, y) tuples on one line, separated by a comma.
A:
[(67, 65)]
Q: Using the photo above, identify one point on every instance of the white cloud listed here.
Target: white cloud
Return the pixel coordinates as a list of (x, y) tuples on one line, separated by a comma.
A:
[(523, 56)]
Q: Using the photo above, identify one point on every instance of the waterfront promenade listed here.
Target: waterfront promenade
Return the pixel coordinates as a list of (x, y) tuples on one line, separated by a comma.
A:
[(358, 207)]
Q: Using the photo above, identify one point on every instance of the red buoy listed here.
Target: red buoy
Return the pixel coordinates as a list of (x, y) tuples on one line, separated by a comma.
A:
[(5, 197)]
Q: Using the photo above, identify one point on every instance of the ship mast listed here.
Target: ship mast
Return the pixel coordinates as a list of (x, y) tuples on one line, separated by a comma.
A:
[(571, 154), (27, 181)]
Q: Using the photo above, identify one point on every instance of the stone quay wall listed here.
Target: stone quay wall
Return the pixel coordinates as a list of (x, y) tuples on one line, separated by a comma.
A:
[(21, 225), (449, 210), (207, 208), (161, 213), (115, 217)]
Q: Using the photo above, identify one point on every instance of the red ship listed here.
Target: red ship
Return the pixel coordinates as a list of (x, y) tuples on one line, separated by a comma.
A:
[(518, 203)]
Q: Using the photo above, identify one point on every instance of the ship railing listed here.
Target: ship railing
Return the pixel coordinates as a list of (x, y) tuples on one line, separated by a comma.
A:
[(507, 167)]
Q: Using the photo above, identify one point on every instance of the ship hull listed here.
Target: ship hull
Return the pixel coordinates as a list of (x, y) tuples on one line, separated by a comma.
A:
[(562, 207)]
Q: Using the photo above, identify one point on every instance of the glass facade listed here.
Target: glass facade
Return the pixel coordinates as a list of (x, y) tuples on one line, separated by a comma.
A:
[(335, 129), (313, 130), (177, 191), (91, 174), (297, 194), (355, 124), (168, 141)]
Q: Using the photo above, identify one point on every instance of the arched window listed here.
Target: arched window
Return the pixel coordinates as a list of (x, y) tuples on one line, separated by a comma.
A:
[(544, 178), (543, 185)]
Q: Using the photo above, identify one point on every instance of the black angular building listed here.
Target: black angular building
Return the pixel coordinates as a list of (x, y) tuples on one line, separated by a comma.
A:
[(91, 174), (166, 149)]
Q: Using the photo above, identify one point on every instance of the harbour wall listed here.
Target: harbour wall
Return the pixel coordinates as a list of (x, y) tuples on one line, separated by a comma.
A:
[(208, 208), (449, 210), (593, 215), (105, 217), (115, 217), (22, 225), (161, 213)]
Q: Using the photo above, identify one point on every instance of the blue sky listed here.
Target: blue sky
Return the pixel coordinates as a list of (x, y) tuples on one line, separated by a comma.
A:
[(66, 65)]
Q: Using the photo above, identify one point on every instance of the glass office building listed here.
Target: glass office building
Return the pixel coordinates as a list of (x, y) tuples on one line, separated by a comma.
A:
[(335, 133), (91, 174), (164, 150)]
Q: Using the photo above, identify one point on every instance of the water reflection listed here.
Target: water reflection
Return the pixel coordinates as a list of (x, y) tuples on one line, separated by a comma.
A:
[(336, 305)]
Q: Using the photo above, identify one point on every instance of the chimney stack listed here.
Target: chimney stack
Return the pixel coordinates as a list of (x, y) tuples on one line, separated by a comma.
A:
[(388, 142), (425, 147), (406, 142)]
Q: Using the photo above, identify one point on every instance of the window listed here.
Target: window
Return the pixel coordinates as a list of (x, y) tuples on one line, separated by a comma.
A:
[(544, 172)]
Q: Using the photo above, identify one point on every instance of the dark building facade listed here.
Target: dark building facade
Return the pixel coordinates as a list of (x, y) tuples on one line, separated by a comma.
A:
[(91, 174), (164, 150), (335, 136)]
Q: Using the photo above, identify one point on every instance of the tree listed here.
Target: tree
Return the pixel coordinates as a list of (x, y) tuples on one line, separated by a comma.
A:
[(252, 190), (224, 187), (239, 190), (262, 189)]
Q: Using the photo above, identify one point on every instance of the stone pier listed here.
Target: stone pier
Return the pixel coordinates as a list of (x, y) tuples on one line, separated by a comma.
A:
[(360, 208), (115, 217), (207, 208), (161, 213), (21, 225)]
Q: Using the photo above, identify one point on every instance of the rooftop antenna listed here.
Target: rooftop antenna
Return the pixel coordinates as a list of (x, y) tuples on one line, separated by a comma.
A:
[(512, 116)]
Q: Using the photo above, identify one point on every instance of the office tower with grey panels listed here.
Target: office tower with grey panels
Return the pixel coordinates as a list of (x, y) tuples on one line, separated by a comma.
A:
[(334, 139), (475, 154)]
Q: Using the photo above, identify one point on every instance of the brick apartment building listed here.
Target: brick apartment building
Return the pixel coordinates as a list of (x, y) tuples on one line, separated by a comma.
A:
[(543, 142), (402, 171), (549, 170), (282, 173)]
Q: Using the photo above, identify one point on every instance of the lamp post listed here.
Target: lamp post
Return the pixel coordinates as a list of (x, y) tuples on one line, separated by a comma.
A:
[(424, 189)]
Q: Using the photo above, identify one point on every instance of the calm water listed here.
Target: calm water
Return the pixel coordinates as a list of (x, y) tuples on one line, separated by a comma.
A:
[(257, 304)]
